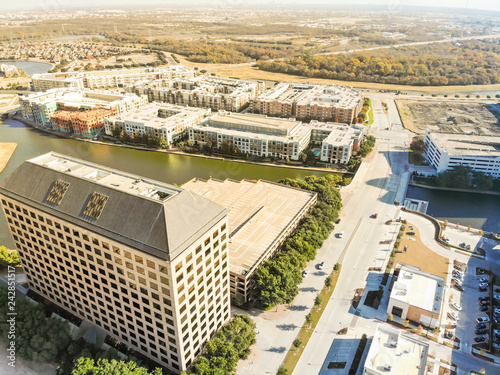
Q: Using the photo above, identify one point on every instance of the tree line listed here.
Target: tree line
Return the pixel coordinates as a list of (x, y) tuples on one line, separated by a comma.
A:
[(471, 62), (276, 281)]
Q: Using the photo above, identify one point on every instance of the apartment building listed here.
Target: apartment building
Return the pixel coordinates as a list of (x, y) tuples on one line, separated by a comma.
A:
[(256, 135), (337, 141), (87, 124), (102, 79), (304, 100), (416, 295), (215, 93), (262, 215), (447, 150), (41, 106), (144, 261), (158, 120)]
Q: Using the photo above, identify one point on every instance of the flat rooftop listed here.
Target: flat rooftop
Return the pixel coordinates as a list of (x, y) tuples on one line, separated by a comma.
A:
[(148, 115), (467, 144), (391, 352), (108, 177), (342, 135), (254, 120), (418, 288), (259, 212)]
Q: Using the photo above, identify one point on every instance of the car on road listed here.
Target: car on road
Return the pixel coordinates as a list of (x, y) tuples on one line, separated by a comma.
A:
[(341, 234), (305, 273), (480, 326), (453, 316), (479, 339), (480, 271), (462, 245), (375, 215), (447, 240), (483, 319), (456, 306), (321, 265), (480, 331)]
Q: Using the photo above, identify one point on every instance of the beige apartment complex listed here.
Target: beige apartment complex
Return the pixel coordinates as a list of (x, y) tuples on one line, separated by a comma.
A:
[(158, 120), (256, 135), (107, 78), (262, 215), (305, 100), (216, 93), (145, 261)]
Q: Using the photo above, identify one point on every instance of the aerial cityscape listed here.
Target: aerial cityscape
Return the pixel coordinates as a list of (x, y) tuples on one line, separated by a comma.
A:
[(223, 188)]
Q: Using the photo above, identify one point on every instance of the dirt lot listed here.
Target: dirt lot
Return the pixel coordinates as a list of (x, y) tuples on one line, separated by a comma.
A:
[(421, 256), (450, 116)]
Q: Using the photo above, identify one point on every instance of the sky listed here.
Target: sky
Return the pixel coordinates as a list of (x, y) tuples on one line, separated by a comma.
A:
[(54, 5)]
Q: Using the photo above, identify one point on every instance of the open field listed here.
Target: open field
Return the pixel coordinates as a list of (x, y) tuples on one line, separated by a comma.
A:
[(250, 72), (450, 116), (419, 255)]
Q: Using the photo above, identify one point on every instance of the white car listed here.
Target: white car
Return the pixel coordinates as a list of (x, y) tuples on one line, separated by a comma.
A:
[(456, 306), (483, 319), (453, 316), (305, 273), (341, 234)]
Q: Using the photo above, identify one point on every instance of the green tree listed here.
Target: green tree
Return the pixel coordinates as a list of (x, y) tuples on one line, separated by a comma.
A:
[(309, 319), (87, 366), (328, 282), (318, 300), (282, 371), (8, 257), (297, 343)]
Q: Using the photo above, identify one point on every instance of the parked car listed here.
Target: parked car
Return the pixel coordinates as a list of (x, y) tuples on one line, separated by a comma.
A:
[(452, 324), (480, 271), (321, 265), (485, 240), (483, 319), (456, 306), (484, 280), (480, 326), (484, 285), (480, 331), (410, 233), (447, 240), (479, 339), (459, 287), (453, 316), (341, 234), (305, 273), (449, 334), (496, 345), (483, 308), (375, 215), (496, 296), (484, 303), (497, 290)]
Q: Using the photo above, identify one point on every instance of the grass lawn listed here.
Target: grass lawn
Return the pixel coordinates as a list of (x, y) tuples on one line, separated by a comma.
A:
[(370, 114), (293, 356), (419, 255)]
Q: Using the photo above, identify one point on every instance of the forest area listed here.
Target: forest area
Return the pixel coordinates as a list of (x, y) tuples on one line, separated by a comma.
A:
[(439, 64)]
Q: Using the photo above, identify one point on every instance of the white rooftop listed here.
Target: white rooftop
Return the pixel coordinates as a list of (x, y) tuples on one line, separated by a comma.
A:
[(467, 144), (391, 352), (419, 289)]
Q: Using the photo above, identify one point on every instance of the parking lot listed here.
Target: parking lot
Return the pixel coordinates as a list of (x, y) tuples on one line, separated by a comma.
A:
[(473, 305)]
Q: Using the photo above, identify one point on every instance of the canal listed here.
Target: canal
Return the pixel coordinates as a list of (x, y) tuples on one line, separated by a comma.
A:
[(480, 211), (164, 167)]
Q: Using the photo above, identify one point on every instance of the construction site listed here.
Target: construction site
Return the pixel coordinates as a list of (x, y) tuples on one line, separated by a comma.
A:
[(450, 116)]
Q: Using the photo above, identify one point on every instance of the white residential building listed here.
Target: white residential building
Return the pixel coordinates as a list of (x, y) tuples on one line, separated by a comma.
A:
[(447, 150), (159, 120)]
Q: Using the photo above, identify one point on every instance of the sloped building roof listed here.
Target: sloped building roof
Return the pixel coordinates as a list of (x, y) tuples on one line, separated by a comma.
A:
[(157, 218)]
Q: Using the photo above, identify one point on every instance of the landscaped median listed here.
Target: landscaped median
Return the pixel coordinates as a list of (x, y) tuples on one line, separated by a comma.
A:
[(294, 353)]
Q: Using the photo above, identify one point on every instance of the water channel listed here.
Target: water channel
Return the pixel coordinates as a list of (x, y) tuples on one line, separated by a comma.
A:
[(29, 67), (164, 167)]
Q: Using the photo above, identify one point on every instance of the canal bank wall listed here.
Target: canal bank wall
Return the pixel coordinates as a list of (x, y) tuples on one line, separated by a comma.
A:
[(177, 152), (454, 189)]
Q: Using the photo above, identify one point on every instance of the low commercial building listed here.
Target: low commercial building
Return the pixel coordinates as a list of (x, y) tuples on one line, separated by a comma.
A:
[(261, 216), (215, 93), (256, 135), (337, 141), (416, 296), (160, 120), (101, 79), (447, 150), (305, 100), (394, 353), (40, 107), (144, 261)]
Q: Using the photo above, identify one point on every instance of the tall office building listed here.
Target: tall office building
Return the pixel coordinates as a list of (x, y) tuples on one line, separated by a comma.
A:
[(145, 261)]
